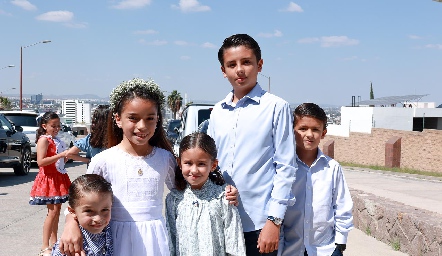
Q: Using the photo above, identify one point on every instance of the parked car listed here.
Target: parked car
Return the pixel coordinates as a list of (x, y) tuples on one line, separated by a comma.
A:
[(29, 122), (193, 115), (15, 147), (172, 128)]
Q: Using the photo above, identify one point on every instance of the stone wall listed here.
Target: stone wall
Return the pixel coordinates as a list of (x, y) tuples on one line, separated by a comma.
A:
[(413, 231), (419, 150)]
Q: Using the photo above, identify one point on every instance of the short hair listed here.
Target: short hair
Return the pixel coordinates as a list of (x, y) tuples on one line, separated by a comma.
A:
[(309, 110), (239, 40), (87, 183), (207, 144)]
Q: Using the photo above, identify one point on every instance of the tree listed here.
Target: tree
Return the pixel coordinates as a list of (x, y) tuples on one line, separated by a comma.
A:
[(371, 91), (5, 103), (174, 101)]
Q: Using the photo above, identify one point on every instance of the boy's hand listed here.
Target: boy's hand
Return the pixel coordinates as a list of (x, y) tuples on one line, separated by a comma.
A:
[(268, 239), (232, 195), (71, 241)]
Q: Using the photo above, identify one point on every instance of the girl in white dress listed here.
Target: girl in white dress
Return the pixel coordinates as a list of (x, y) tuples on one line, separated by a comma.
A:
[(138, 161), (200, 220)]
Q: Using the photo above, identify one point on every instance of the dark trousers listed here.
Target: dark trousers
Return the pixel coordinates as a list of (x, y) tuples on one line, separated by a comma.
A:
[(251, 239)]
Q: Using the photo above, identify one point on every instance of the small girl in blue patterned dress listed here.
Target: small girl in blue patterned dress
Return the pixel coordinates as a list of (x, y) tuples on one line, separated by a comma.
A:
[(90, 202), (199, 219)]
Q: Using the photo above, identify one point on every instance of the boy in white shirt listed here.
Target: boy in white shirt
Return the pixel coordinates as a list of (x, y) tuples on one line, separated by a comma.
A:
[(319, 222)]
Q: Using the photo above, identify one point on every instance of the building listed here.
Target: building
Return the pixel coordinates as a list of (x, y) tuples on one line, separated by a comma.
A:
[(76, 111), (404, 113), (36, 99)]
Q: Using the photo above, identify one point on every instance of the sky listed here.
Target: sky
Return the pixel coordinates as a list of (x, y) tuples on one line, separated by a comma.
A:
[(313, 51)]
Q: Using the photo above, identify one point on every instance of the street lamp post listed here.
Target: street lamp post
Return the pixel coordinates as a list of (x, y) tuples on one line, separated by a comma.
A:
[(268, 77), (8, 66), (21, 69)]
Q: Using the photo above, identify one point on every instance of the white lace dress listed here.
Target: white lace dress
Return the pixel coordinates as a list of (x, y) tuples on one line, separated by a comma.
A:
[(138, 227)]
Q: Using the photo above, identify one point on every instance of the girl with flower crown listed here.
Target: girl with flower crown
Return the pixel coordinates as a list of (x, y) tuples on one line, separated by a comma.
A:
[(138, 162)]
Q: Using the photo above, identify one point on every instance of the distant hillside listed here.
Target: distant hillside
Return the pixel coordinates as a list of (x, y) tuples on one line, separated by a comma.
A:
[(63, 97)]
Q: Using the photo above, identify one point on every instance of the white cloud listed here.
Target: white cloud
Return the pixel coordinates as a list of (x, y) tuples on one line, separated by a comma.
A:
[(330, 41), (56, 16), (414, 37), (434, 46), (181, 43), (77, 25), (350, 58), (191, 6), (5, 13), (292, 8), (308, 40), (185, 57), (131, 4), (24, 4), (146, 32), (208, 45), (277, 33), (158, 42)]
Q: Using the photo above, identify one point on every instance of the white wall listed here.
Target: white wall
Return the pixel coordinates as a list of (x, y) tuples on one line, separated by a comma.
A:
[(393, 118)]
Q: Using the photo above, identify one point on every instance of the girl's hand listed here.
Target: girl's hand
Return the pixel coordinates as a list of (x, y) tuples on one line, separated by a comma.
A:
[(232, 195), (71, 240)]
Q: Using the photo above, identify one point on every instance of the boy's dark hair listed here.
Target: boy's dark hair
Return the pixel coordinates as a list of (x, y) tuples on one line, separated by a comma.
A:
[(239, 40), (87, 183), (44, 119), (309, 110), (207, 144), (99, 125)]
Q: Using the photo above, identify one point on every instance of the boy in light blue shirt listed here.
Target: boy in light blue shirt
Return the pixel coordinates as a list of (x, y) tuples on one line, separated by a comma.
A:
[(319, 222)]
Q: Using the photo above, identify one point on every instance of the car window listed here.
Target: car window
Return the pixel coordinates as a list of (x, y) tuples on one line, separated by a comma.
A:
[(23, 120), (5, 124)]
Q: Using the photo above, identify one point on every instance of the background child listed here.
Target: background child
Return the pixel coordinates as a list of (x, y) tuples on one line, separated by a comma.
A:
[(51, 185), (252, 131), (90, 202), (200, 221), (96, 140), (322, 214), (138, 161)]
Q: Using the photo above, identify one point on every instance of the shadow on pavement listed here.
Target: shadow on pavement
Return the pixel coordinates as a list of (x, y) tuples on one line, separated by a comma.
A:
[(8, 178)]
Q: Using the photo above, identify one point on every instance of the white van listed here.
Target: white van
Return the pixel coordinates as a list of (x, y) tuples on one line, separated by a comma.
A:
[(193, 115)]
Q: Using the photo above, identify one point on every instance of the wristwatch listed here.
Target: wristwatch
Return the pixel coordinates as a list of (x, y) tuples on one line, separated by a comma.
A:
[(277, 221), (341, 247)]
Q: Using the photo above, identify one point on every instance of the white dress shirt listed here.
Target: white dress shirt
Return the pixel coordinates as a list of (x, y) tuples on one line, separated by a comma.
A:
[(322, 214)]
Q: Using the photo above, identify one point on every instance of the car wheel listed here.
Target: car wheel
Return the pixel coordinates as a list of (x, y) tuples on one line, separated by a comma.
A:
[(25, 163)]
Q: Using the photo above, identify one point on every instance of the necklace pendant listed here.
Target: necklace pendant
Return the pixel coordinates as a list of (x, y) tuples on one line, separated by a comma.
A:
[(140, 172)]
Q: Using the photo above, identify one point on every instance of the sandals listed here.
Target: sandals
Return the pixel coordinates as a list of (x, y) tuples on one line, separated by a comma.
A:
[(45, 253)]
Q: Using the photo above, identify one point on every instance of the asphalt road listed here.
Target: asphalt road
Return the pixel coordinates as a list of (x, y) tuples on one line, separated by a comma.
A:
[(21, 224)]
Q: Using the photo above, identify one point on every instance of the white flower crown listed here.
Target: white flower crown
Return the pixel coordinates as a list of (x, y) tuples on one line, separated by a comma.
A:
[(127, 87)]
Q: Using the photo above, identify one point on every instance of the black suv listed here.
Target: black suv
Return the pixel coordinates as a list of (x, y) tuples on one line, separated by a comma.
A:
[(15, 148)]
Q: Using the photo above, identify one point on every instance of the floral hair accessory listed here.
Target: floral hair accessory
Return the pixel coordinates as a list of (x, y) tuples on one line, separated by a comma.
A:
[(136, 84)]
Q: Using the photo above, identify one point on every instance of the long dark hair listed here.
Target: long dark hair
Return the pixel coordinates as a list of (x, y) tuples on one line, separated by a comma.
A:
[(115, 133), (207, 144), (45, 118), (99, 125)]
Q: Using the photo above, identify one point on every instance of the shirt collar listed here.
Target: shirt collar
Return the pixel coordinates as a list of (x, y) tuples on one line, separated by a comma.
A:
[(318, 157), (255, 94)]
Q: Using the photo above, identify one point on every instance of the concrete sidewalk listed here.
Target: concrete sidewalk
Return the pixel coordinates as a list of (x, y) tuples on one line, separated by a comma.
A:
[(21, 224)]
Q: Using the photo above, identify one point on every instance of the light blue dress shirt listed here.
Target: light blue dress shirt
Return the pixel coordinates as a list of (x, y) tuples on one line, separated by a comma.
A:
[(84, 145), (256, 153), (322, 214)]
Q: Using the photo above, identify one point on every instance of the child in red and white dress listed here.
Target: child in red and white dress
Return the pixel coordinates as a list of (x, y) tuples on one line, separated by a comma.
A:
[(51, 186)]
